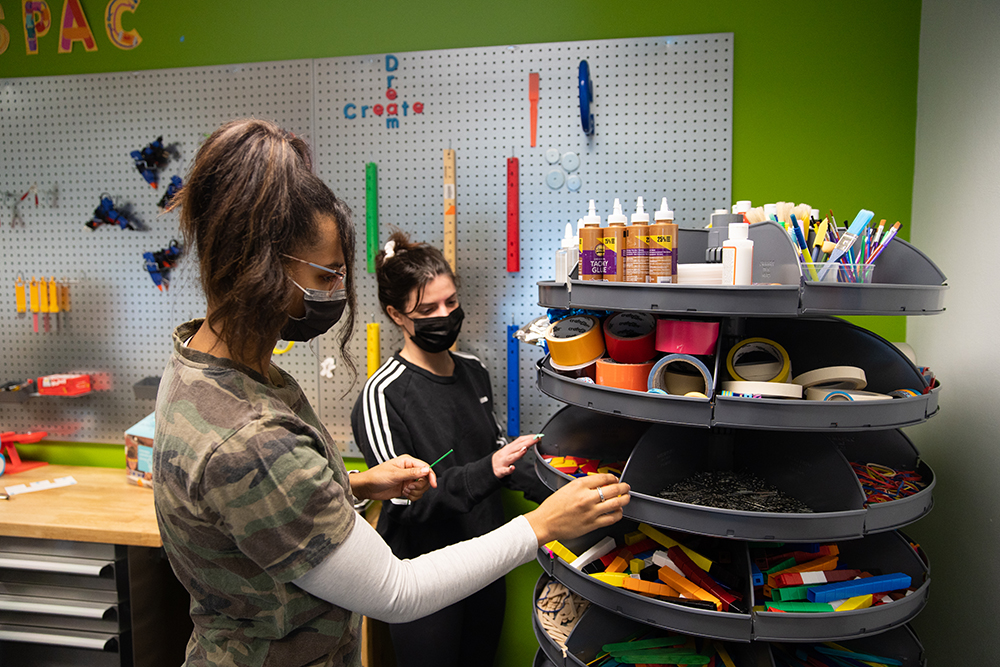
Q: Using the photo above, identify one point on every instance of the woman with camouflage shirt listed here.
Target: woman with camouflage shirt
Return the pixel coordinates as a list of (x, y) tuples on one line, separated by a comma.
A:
[(252, 498)]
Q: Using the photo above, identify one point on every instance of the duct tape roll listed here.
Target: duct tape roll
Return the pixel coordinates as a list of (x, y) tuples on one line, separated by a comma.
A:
[(833, 377), (634, 377), (904, 393), (686, 336), (669, 375), (834, 395), (574, 342), (764, 389), (735, 361), (630, 337)]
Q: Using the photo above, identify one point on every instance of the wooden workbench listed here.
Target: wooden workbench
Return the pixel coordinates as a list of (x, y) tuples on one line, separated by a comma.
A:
[(100, 507)]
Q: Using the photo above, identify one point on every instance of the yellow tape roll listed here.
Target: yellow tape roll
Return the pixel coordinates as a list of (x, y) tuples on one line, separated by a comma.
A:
[(575, 341), (783, 363)]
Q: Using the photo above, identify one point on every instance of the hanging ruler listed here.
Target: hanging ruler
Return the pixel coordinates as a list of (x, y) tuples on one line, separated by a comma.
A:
[(371, 213), (513, 384), (513, 217), (449, 208)]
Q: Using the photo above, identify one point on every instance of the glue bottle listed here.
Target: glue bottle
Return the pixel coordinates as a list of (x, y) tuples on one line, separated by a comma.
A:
[(614, 245), (737, 255), (637, 246), (591, 246), (663, 246), (566, 256)]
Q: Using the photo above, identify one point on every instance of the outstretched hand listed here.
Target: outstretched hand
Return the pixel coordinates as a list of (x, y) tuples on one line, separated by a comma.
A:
[(583, 505), (401, 477), (505, 457)]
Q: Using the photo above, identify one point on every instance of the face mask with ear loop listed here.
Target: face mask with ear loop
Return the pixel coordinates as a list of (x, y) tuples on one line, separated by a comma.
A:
[(324, 308), (437, 334)]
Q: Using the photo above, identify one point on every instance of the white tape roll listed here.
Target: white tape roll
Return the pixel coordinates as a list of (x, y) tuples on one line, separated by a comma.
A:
[(833, 377), (835, 395), (764, 389)]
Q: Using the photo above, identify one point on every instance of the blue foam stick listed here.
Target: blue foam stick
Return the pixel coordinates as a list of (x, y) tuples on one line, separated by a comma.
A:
[(849, 589), (513, 384)]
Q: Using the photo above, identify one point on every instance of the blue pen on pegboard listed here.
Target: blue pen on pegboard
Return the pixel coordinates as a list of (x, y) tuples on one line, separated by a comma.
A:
[(513, 384)]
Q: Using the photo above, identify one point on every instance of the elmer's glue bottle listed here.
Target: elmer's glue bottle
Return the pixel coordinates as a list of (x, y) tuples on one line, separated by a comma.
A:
[(737, 255)]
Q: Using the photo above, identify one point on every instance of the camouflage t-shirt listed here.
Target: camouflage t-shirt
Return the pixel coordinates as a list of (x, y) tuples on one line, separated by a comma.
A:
[(251, 493)]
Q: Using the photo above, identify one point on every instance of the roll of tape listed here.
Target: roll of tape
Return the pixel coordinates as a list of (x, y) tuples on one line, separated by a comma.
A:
[(904, 393), (764, 389), (574, 342), (833, 395), (686, 336), (758, 345), (833, 377), (630, 337), (634, 377), (667, 379)]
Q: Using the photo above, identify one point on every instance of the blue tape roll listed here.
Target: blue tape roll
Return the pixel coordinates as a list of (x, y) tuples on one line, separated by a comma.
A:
[(658, 383)]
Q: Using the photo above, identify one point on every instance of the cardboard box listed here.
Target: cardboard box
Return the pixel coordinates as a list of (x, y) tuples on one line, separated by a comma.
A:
[(64, 385), (139, 452)]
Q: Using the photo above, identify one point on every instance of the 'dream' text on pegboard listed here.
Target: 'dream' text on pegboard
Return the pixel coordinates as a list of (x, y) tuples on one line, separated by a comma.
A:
[(391, 109)]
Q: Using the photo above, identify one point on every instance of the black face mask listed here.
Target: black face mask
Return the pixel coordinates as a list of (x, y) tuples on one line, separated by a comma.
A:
[(322, 312), (437, 334)]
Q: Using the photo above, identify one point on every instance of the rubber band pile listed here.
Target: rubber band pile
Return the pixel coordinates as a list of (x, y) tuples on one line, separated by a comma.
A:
[(883, 484)]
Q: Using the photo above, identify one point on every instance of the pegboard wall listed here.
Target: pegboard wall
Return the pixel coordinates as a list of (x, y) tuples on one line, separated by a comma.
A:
[(663, 110)]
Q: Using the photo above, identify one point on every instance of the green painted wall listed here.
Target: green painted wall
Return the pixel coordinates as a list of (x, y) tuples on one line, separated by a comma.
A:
[(824, 95)]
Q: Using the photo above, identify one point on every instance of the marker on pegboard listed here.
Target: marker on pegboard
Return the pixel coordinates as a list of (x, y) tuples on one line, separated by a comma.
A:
[(513, 217), (371, 213), (449, 208), (533, 101), (513, 384)]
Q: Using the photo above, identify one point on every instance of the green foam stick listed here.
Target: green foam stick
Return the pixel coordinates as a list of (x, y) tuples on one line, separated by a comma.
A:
[(371, 213), (664, 657), (631, 647), (790, 593)]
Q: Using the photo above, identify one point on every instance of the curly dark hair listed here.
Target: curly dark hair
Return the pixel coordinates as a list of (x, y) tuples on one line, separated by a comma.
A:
[(250, 199)]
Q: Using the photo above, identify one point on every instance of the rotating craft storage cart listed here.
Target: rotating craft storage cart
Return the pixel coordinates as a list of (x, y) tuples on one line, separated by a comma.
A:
[(801, 447)]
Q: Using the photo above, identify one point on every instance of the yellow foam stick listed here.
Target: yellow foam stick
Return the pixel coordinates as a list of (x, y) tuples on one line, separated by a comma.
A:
[(561, 551), (855, 603), (674, 580), (633, 537), (612, 578), (636, 565), (657, 536), (53, 295), (724, 655)]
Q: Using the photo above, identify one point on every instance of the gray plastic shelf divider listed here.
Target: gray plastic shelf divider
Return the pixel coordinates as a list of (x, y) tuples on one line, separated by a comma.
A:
[(715, 624), (815, 473), (888, 552)]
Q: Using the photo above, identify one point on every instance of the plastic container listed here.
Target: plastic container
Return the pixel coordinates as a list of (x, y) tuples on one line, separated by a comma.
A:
[(837, 272)]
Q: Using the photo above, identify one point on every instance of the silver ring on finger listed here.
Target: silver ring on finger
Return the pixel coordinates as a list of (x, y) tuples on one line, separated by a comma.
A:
[(600, 492)]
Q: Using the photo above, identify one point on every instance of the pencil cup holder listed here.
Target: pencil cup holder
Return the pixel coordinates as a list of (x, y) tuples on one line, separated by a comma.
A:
[(837, 272)]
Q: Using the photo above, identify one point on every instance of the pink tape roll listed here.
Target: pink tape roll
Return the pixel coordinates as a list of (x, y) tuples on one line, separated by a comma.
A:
[(686, 336)]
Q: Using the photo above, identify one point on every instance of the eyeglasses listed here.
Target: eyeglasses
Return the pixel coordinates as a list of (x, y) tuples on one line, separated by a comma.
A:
[(337, 278)]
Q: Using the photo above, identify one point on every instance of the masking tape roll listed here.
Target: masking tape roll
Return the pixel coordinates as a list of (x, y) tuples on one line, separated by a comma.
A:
[(661, 379), (751, 345), (634, 377), (574, 342), (833, 377), (834, 395), (630, 337), (686, 336), (904, 393), (764, 389)]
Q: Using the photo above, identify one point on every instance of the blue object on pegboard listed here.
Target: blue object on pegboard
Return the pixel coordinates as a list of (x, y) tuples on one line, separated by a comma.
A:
[(586, 99)]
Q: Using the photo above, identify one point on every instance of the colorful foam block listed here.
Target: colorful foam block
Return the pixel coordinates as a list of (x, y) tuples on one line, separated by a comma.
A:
[(814, 578), (853, 604), (848, 589), (687, 588), (616, 579), (605, 546), (799, 607), (824, 563), (561, 551), (649, 588)]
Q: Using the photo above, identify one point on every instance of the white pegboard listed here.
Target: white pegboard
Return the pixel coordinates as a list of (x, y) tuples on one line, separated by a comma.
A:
[(663, 108)]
